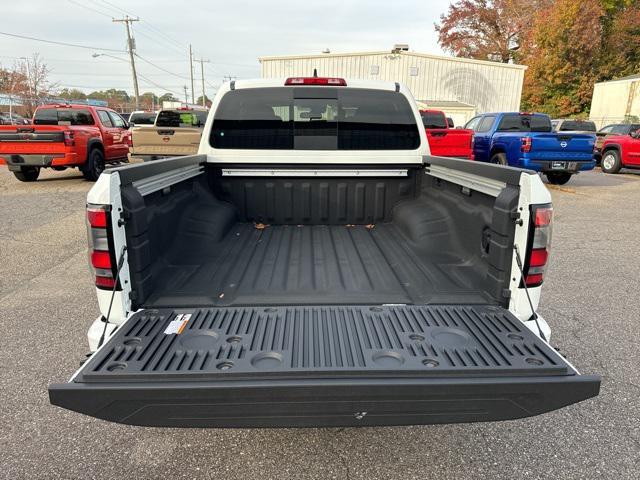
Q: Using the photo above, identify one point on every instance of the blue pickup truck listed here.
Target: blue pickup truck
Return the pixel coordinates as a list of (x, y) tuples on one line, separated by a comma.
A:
[(526, 140)]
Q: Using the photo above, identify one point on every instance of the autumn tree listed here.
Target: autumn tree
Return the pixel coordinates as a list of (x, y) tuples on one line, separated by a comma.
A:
[(621, 45), (487, 29), (563, 59), (148, 101)]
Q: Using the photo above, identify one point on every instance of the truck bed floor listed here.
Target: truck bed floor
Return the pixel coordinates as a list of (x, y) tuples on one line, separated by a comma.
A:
[(300, 265)]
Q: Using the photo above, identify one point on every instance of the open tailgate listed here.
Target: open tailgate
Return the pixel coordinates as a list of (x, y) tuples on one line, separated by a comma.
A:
[(322, 366)]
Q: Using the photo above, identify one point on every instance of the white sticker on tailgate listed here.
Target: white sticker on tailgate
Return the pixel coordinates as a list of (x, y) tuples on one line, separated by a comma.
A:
[(177, 324)]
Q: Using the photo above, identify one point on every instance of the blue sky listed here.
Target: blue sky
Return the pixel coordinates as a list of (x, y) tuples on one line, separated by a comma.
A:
[(231, 34)]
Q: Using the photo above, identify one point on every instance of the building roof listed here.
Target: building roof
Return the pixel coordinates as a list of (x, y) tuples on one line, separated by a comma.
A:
[(388, 52), (446, 104), (628, 78)]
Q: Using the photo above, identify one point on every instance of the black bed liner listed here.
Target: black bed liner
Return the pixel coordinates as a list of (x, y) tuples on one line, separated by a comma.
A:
[(290, 264), (305, 366)]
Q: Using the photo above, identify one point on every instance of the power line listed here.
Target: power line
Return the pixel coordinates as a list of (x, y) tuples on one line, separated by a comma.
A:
[(24, 37), (159, 86), (166, 45), (87, 7), (160, 68), (84, 60)]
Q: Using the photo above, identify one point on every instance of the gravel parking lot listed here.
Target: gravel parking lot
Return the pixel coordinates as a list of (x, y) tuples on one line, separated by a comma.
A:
[(590, 298)]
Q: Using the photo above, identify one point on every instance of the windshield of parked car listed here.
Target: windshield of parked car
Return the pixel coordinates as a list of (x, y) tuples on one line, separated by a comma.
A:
[(181, 118), (577, 126), (142, 118), (314, 118), (62, 116), (433, 120), (519, 122)]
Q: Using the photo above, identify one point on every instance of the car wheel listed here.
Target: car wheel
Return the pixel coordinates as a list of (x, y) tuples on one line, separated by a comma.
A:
[(610, 162), (499, 159), (27, 174), (94, 166), (558, 178)]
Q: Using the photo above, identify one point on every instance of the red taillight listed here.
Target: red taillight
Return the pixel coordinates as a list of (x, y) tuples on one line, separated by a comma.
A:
[(539, 244), (334, 82), (97, 217), (68, 138), (101, 255), (101, 259), (525, 147), (105, 282), (538, 257)]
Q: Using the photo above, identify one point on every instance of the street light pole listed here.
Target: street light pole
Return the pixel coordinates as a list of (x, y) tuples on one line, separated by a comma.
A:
[(127, 20)]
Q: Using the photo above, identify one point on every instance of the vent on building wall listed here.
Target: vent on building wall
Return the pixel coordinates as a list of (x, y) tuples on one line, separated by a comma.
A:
[(375, 69), (400, 47), (413, 71)]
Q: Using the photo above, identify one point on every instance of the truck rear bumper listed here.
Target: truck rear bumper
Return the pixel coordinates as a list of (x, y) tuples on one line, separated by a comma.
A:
[(570, 166), (329, 402), (322, 366), (16, 161)]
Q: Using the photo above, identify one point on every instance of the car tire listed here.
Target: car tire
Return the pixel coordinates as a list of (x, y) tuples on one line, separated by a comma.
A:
[(94, 165), (610, 162), (27, 174), (499, 159), (558, 178)]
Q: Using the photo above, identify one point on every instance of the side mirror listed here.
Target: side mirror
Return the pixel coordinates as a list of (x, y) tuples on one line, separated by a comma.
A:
[(635, 134)]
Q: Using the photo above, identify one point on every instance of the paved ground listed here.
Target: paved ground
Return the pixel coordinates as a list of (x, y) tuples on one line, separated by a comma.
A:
[(590, 298)]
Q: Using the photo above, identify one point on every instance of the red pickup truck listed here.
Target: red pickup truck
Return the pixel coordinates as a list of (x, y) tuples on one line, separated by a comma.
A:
[(445, 141), (621, 151), (65, 136)]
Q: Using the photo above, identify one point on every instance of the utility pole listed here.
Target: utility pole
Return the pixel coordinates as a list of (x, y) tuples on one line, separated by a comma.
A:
[(131, 46), (193, 98), (202, 62), (186, 98)]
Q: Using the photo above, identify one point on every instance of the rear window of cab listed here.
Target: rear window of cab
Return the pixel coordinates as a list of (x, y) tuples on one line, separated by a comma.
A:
[(519, 122), (63, 116), (314, 118)]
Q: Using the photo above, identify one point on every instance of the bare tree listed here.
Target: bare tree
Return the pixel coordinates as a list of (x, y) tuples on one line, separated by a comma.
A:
[(38, 87)]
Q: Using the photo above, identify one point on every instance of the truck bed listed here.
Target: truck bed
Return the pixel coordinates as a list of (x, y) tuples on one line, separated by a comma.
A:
[(297, 265), (341, 365)]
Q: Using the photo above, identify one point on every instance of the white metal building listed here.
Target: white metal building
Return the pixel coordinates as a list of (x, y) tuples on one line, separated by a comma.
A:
[(616, 101), (465, 86)]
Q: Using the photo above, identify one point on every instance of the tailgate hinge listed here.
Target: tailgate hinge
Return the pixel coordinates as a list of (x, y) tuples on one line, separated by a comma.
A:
[(517, 217)]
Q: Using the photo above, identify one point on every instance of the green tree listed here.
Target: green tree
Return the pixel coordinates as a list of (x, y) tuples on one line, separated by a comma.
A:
[(71, 94), (206, 99), (116, 99), (168, 97)]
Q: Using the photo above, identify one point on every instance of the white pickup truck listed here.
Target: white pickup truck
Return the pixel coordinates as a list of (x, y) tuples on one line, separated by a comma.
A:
[(313, 265)]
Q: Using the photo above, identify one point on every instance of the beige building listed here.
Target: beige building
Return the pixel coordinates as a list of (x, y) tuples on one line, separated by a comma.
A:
[(616, 101), (461, 87)]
